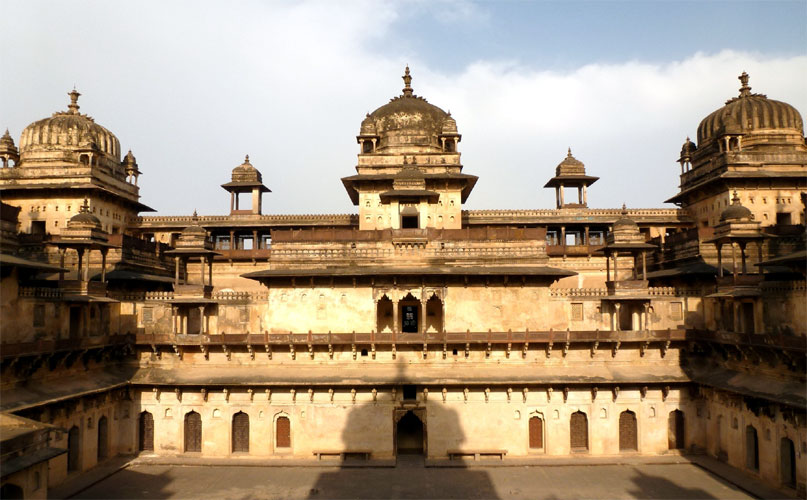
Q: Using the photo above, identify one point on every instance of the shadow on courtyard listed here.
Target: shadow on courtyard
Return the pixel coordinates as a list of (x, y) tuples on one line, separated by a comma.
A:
[(407, 429), (129, 483)]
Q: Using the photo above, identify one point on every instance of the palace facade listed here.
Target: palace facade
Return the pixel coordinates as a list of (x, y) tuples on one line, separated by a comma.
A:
[(412, 325)]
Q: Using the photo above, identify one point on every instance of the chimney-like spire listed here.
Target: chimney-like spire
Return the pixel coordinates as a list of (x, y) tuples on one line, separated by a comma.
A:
[(73, 106), (745, 90), (407, 90)]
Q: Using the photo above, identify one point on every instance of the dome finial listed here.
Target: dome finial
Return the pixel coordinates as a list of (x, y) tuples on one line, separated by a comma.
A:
[(246, 159), (73, 106), (745, 90), (569, 152), (624, 210), (85, 208), (735, 199), (407, 90)]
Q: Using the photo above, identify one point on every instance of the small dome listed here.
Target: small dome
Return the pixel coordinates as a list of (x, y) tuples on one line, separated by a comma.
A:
[(7, 142), (736, 211), (84, 217), (749, 113), (408, 122), (194, 229), (246, 172), (69, 130), (625, 222), (687, 149), (570, 166)]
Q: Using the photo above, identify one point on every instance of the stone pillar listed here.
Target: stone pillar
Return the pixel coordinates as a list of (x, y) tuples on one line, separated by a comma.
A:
[(210, 270), (608, 268), (737, 326), (644, 265), (759, 255), (616, 271), (185, 322), (617, 307), (395, 326), (646, 321), (232, 201), (587, 242), (174, 319), (103, 264), (255, 242), (561, 196), (719, 259), (61, 263), (201, 319), (80, 275), (422, 315), (585, 195), (202, 268), (232, 240), (256, 200), (734, 261), (742, 256), (176, 272)]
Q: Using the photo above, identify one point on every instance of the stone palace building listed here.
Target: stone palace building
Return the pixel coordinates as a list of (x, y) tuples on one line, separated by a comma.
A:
[(412, 325)]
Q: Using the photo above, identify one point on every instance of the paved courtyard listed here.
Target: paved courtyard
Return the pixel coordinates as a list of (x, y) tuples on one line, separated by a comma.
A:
[(412, 480)]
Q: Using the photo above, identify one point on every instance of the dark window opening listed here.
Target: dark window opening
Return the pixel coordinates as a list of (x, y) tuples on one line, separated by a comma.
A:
[(103, 439), (751, 448), (409, 222), (38, 227), (364, 352), (783, 218), (454, 352), (675, 437), (367, 147), (409, 319), (410, 392), (146, 424), (409, 433)]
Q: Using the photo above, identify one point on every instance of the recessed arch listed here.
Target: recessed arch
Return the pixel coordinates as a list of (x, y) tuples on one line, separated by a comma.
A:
[(240, 433), (578, 431), (536, 432), (628, 433), (282, 426), (145, 425), (193, 432)]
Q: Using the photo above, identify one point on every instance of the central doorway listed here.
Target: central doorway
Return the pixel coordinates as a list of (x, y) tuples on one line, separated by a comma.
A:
[(409, 435)]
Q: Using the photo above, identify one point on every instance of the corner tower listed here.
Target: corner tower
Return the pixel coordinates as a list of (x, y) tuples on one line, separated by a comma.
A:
[(409, 173)]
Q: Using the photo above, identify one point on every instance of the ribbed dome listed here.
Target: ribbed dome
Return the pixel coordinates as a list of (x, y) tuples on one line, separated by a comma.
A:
[(69, 130), (749, 113), (735, 211), (408, 121), (84, 217), (246, 172)]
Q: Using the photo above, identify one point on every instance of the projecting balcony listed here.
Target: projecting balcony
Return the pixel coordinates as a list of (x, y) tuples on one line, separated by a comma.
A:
[(627, 288), (85, 288), (193, 291)]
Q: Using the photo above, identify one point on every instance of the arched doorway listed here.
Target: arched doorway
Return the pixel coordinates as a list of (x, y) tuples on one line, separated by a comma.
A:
[(536, 433), (409, 435), (751, 448), (434, 315), (787, 462), (675, 431), (193, 432), (11, 491), (283, 432), (578, 431), (628, 440), (73, 449), (240, 432), (103, 439), (146, 432)]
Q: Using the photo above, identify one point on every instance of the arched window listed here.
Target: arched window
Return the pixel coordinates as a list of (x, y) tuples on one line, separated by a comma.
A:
[(536, 433), (73, 449), (675, 433), (628, 440), (240, 433), (787, 462), (146, 432), (103, 439), (11, 491), (578, 431), (193, 432), (751, 448), (283, 432)]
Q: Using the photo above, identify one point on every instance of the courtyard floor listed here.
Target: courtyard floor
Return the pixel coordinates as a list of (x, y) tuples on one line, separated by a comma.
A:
[(410, 479)]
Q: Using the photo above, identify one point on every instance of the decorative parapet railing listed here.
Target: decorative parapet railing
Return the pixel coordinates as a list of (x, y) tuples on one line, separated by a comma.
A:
[(221, 296), (174, 221), (40, 293), (437, 338), (662, 291), (410, 250), (226, 296), (160, 295), (671, 213)]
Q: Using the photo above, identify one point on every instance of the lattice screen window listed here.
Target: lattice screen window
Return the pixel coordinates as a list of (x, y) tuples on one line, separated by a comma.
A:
[(148, 314), (676, 311), (243, 314), (577, 311), (39, 315)]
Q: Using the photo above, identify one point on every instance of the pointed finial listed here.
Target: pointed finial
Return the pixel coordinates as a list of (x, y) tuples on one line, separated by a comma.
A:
[(195, 217), (569, 152), (407, 90), (246, 159), (85, 208), (745, 90), (624, 210), (735, 200), (73, 106)]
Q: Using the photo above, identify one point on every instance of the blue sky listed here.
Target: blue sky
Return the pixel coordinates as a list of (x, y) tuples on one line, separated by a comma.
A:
[(191, 87)]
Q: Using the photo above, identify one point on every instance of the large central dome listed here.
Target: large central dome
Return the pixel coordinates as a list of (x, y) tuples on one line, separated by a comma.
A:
[(69, 131), (408, 123)]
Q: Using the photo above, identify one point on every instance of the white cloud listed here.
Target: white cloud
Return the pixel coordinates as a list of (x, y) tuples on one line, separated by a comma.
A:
[(192, 88)]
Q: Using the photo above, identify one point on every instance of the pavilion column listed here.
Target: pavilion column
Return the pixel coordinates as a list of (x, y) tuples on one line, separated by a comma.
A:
[(561, 196), (185, 322), (103, 264), (422, 315), (557, 197), (759, 255), (255, 243), (232, 201), (395, 327), (616, 270), (174, 319), (617, 307), (646, 320), (742, 256), (585, 195), (737, 316), (587, 241), (608, 268), (375, 309), (80, 275), (232, 240), (719, 260), (202, 268), (563, 238), (734, 260), (185, 270), (644, 265), (210, 270), (201, 320), (61, 262)]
